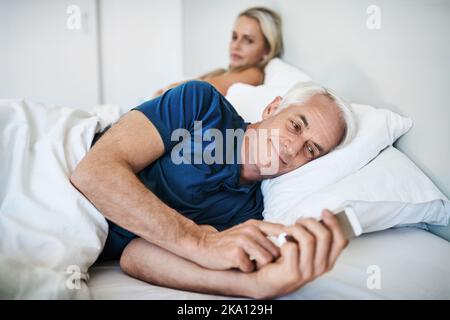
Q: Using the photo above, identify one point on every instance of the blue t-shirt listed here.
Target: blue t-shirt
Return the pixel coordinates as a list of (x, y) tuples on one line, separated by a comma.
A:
[(205, 193)]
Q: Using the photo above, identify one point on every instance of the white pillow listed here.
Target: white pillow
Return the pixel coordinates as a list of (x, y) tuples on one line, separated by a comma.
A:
[(279, 73), (376, 129), (389, 191), (250, 101)]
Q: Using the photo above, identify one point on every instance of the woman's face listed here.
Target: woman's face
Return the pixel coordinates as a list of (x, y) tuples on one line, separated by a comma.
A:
[(247, 46)]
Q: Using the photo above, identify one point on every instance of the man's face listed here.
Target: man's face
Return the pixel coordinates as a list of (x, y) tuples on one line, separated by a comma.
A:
[(294, 136)]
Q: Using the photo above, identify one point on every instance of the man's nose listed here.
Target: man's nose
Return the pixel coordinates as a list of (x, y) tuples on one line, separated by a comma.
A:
[(291, 148)]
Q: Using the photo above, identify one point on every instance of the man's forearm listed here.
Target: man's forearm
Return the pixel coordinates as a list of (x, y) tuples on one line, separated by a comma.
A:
[(155, 265), (116, 192)]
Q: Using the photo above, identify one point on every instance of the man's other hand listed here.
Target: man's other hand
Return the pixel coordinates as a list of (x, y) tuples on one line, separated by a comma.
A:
[(233, 248)]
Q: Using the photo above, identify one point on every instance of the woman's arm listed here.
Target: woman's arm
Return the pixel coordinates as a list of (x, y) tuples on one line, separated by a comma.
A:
[(214, 73), (170, 86), (204, 77), (252, 76), (222, 80)]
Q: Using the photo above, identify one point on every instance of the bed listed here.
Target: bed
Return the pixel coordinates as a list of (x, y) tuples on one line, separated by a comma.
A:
[(398, 263), (382, 67), (412, 264)]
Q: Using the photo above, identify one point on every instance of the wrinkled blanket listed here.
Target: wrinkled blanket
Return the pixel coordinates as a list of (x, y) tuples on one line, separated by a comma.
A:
[(49, 233)]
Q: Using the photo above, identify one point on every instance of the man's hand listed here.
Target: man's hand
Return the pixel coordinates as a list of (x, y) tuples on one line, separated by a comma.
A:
[(234, 247), (318, 246)]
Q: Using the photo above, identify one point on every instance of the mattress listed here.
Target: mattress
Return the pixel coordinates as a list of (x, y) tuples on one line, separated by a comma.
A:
[(403, 263)]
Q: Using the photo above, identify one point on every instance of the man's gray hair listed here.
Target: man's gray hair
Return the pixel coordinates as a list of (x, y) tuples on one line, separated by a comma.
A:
[(303, 91)]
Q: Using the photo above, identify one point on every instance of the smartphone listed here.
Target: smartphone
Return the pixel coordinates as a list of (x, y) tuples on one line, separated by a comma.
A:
[(346, 218), (349, 222)]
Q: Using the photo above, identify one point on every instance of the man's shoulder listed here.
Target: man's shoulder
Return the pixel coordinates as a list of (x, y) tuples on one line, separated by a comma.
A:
[(206, 98), (199, 95), (207, 104)]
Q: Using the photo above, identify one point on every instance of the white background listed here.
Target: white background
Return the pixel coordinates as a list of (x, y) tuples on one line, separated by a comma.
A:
[(144, 45)]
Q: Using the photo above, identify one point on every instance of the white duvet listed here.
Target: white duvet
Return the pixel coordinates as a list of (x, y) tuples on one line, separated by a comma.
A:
[(49, 233)]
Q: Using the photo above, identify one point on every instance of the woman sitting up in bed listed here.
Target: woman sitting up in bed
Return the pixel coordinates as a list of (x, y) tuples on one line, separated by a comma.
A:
[(256, 39)]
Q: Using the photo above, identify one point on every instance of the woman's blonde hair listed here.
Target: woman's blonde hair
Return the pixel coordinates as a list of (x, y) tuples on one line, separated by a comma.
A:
[(271, 26)]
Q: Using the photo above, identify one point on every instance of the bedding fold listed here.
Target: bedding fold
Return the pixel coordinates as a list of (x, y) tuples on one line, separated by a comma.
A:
[(49, 232)]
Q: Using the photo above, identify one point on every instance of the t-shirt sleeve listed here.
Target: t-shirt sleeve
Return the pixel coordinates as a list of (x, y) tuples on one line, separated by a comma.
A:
[(178, 108)]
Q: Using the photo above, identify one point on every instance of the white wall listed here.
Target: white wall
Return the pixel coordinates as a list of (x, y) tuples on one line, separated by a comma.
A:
[(136, 52), (141, 48), (146, 44), (404, 66), (3, 17), (44, 61)]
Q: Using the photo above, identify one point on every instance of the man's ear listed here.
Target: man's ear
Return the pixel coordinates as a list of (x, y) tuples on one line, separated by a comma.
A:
[(271, 109)]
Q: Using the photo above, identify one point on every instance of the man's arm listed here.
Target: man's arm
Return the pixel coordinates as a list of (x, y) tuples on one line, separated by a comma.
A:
[(107, 177), (316, 252)]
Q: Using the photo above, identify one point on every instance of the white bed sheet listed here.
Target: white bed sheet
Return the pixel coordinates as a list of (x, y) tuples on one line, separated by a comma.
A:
[(413, 264)]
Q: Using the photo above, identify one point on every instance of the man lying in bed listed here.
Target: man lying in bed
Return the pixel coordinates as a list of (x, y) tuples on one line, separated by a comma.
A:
[(179, 220)]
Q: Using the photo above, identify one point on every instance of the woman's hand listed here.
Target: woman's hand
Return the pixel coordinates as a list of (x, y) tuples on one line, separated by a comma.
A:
[(315, 252), (158, 93), (170, 86)]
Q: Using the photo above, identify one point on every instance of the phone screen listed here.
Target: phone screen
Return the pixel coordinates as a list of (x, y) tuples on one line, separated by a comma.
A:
[(346, 218)]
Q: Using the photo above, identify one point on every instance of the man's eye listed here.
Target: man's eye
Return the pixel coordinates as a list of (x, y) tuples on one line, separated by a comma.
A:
[(295, 125), (310, 149)]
